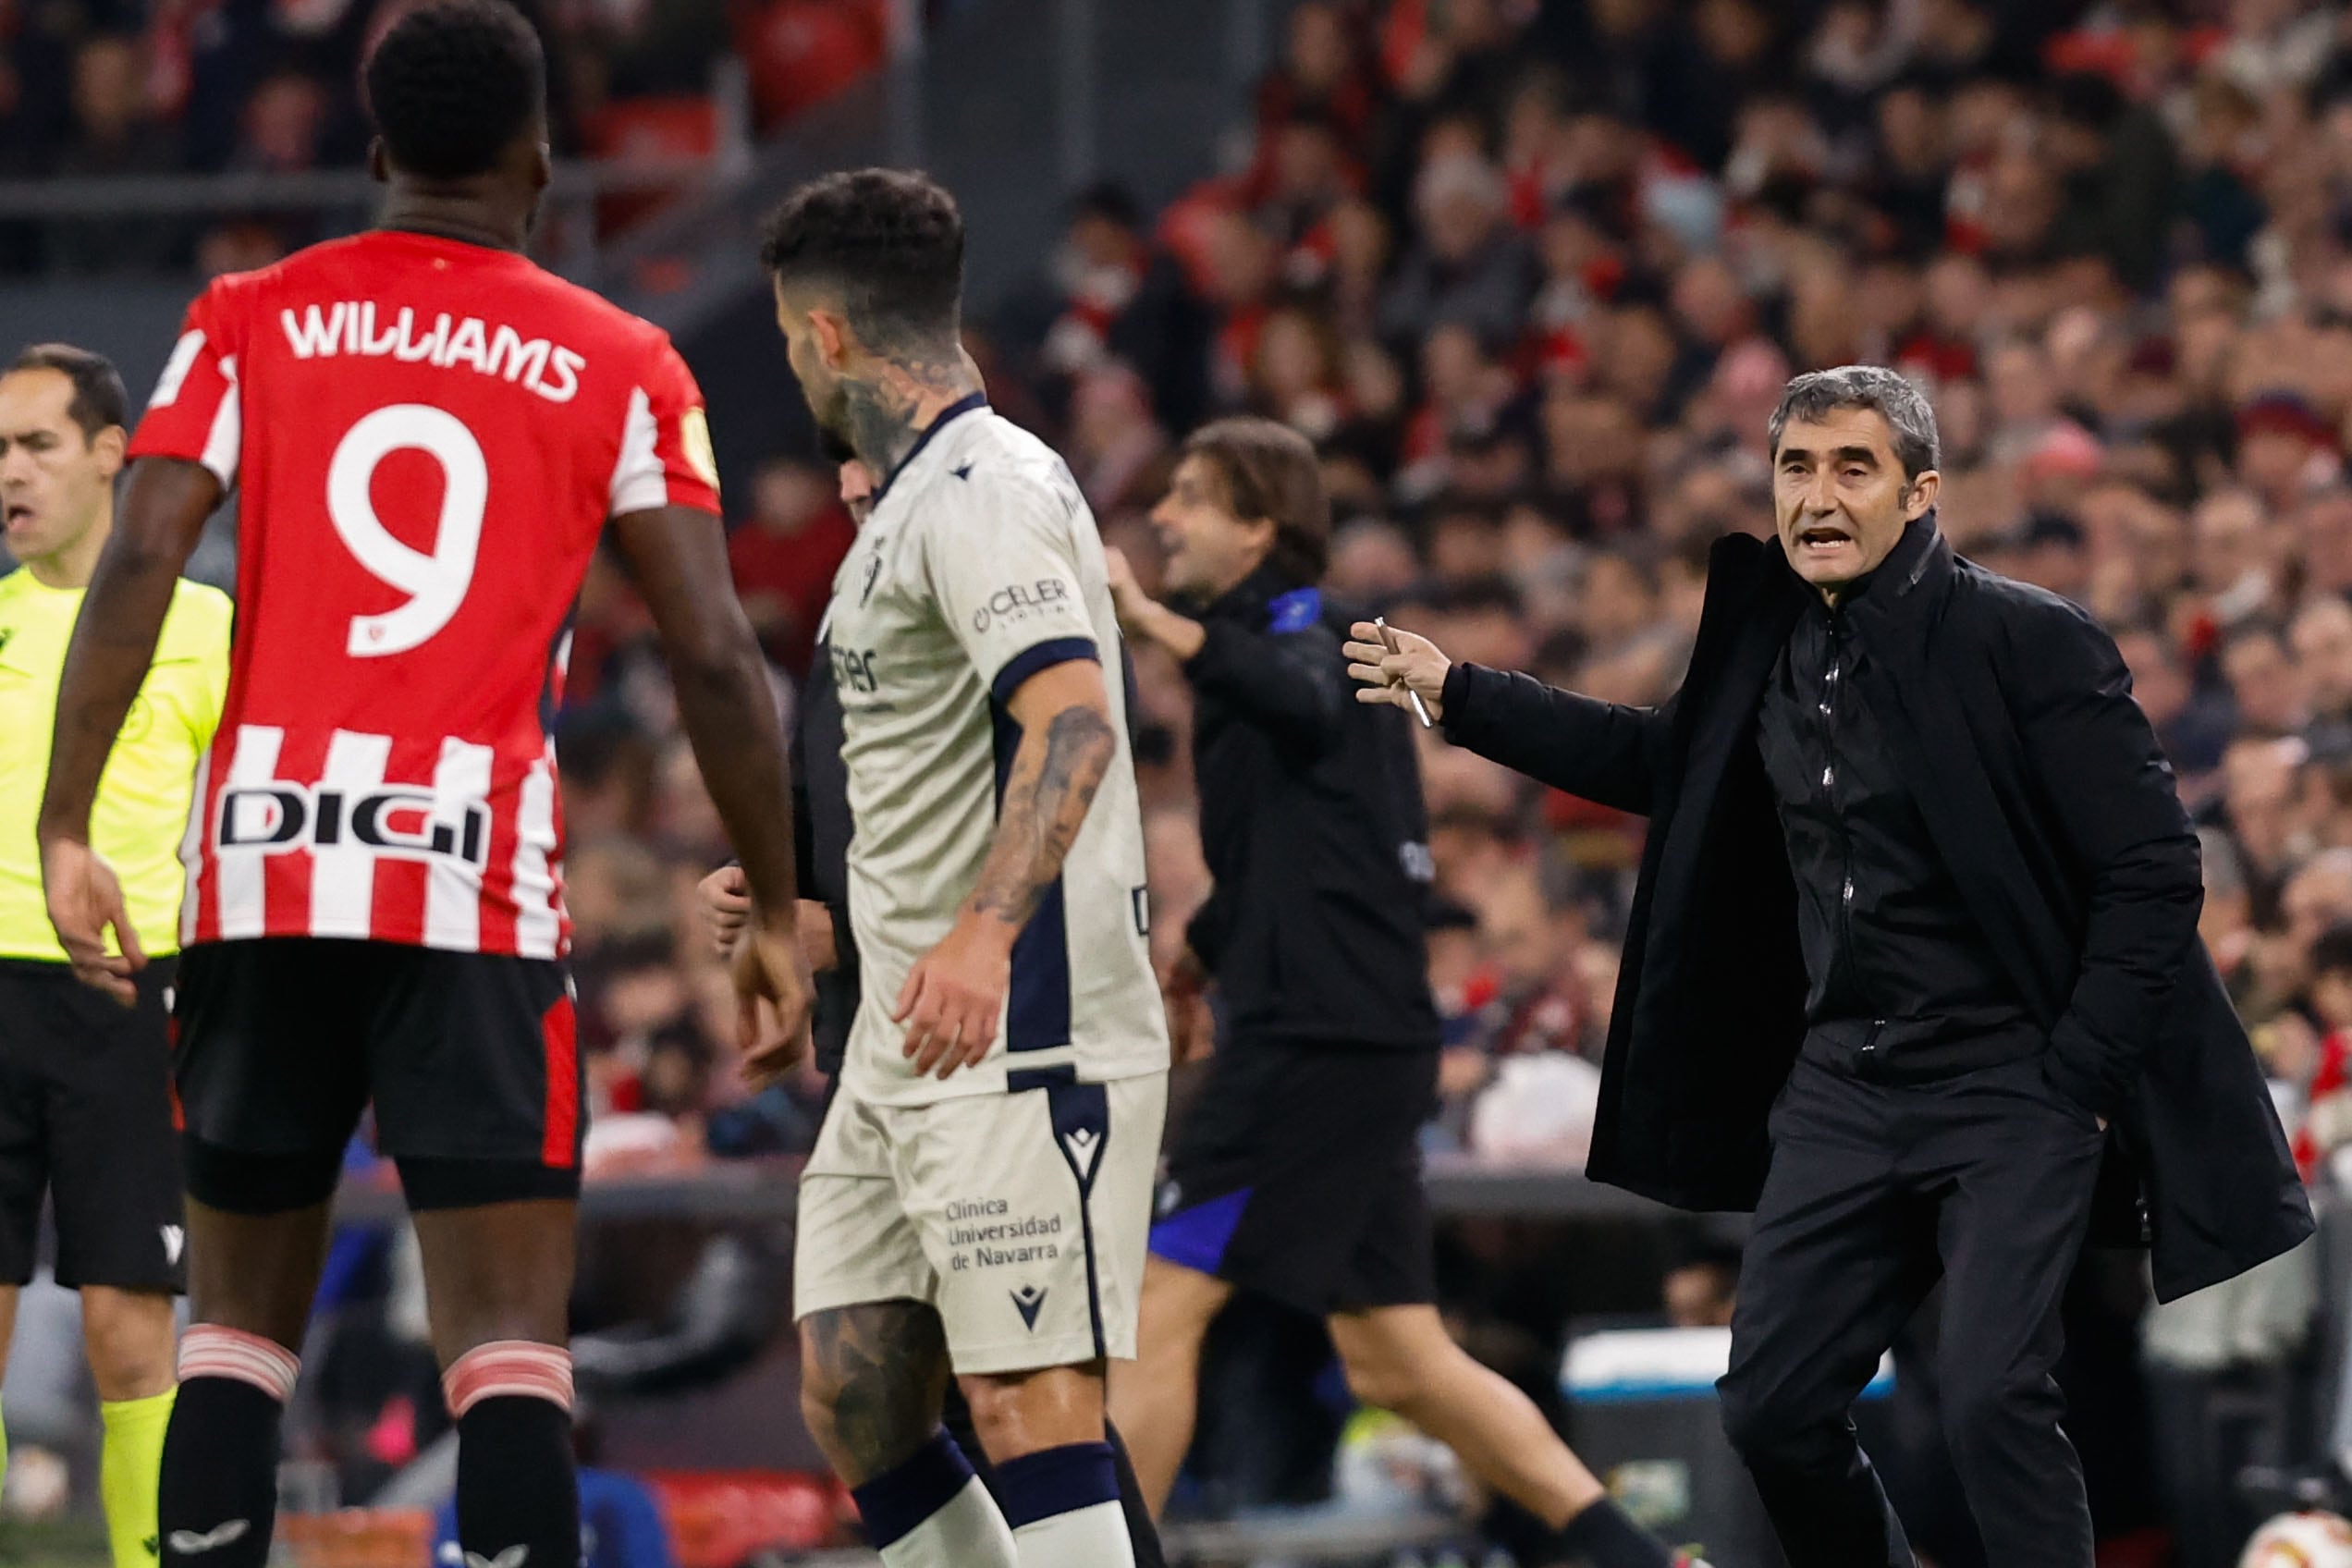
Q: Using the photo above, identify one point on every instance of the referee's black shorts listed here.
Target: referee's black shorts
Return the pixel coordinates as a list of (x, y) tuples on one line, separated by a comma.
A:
[(1297, 1173), (86, 1116)]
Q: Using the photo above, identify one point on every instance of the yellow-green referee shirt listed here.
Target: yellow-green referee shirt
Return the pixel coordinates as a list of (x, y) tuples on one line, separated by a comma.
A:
[(142, 798)]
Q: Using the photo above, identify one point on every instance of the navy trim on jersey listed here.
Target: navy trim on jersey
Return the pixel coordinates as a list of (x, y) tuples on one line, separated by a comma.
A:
[(1081, 1116), (1020, 1080), (954, 410), (1037, 656), (1038, 997)]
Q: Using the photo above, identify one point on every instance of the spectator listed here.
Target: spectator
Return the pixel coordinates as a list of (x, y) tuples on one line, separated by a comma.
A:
[(114, 134)]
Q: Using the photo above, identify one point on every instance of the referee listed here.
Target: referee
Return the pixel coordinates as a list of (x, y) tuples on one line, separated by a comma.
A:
[(1298, 1172), (85, 1103)]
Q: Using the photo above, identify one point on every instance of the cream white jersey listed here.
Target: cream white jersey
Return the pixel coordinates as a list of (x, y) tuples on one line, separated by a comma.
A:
[(979, 566)]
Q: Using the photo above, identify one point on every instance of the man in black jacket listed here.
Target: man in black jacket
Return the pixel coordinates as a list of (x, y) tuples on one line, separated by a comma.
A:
[(1298, 1172), (1911, 971)]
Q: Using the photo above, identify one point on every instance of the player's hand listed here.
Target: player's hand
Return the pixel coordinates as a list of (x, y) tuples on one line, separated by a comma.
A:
[(772, 993), (953, 996), (85, 902), (1127, 596), (726, 903), (1383, 677)]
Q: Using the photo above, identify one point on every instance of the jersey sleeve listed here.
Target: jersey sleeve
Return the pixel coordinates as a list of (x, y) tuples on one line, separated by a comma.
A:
[(1005, 570), (666, 454), (194, 414)]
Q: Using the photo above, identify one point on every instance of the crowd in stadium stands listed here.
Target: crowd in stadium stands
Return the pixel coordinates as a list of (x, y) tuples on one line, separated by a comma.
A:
[(1532, 276), (158, 87)]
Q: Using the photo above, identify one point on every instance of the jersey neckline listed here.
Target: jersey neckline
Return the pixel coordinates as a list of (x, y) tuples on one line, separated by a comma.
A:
[(957, 409)]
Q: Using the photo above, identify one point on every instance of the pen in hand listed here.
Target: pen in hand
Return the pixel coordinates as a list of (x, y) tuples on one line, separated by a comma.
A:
[(1388, 641)]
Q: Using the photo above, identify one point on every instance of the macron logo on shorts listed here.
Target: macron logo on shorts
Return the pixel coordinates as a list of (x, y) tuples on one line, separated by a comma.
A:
[(175, 1239), (1083, 1145), (1027, 1301)]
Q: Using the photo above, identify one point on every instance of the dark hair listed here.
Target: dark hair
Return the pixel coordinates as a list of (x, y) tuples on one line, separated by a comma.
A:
[(889, 242), (453, 84), (1270, 471), (1110, 202), (2332, 950), (99, 400)]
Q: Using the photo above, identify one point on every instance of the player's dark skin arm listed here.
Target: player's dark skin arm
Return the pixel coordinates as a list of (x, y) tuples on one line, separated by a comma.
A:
[(953, 996), (164, 504), (677, 558)]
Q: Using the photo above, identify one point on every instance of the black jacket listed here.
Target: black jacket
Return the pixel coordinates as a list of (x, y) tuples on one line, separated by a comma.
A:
[(2045, 792), (1312, 822)]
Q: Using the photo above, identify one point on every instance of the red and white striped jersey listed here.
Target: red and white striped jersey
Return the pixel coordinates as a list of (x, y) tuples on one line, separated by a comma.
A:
[(429, 436)]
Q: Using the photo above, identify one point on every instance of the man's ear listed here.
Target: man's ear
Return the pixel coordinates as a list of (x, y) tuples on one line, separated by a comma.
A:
[(1923, 494), (836, 344), (110, 444)]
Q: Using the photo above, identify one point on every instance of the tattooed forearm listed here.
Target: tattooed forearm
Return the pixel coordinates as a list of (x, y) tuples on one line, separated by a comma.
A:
[(1052, 783), (872, 1378)]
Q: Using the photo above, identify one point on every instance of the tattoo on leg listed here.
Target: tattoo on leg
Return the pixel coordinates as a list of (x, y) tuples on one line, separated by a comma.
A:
[(879, 1370)]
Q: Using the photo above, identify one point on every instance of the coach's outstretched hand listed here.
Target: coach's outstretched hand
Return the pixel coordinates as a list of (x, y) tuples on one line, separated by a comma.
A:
[(85, 902), (772, 993), (1391, 677)]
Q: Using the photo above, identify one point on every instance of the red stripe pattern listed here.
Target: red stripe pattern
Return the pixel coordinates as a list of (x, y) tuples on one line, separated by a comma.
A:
[(208, 1349), (559, 1038), (519, 1368)]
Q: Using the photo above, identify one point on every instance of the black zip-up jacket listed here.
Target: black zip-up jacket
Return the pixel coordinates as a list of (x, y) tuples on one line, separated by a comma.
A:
[(1313, 823)]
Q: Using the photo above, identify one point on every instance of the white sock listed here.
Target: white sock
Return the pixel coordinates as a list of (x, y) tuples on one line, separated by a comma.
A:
[(1064, 1505), (967, 1532), (932, 1512), (1093, 1536)]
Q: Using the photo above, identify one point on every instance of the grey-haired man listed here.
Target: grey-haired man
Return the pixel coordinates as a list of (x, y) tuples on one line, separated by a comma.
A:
[(1912, 960)]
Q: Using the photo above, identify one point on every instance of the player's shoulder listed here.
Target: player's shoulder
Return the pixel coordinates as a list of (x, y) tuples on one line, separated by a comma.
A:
[(1001, 465)]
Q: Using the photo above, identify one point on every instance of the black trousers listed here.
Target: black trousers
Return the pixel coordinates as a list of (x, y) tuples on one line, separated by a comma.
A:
[(1877, 1190)]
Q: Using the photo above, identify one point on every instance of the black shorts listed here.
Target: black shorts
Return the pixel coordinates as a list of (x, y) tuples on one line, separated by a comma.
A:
[(469, 1059), (86, 1117), (1298, 1174)]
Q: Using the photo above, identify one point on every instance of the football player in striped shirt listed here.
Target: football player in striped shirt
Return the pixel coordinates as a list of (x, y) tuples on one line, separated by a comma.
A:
[(430, 434)]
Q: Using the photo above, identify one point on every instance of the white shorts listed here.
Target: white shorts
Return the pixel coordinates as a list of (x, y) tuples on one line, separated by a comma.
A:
[(1021, 1217)]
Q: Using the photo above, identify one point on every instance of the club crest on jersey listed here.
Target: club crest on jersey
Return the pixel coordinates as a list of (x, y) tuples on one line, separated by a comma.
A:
[(873, 570), (392, 819)]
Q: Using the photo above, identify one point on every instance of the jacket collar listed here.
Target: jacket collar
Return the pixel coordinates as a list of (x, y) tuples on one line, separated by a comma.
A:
[(1249, 599)]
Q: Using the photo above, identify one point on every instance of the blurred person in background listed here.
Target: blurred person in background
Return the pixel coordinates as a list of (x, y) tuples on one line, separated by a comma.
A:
[(86, 1108), (1314, 828), (1945, 1061)]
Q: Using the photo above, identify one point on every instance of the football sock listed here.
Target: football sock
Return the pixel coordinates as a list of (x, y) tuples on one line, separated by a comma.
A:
[(216, 1498), (1601, 1537), (518, 1497), (130, 1465), (931, 1512), (1063, 1506)]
